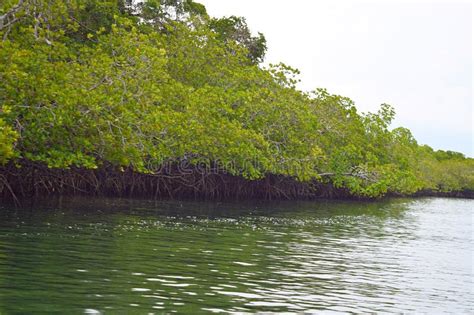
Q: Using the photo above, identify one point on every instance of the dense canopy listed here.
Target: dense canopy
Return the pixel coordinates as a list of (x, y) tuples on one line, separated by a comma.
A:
[(97, 95)]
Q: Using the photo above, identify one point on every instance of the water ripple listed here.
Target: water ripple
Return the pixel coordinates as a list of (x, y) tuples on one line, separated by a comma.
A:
[(398, 256)]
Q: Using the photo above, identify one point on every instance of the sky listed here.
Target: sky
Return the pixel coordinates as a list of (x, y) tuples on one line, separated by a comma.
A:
[(414, 55)]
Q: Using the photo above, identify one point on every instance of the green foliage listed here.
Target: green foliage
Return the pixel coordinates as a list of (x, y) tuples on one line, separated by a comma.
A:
[(87, 84), (235, 28), (8, 137)]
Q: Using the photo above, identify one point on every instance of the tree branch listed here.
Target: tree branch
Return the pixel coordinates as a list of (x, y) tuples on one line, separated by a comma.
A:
[(4, 19)]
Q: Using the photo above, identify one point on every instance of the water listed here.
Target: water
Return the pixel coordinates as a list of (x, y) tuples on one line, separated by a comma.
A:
[(107, 256)]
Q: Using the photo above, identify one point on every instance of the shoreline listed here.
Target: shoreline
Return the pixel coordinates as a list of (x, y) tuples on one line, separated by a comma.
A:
[(39, 182)]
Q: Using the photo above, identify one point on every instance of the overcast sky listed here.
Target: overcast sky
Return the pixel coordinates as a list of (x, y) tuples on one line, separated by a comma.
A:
[(414, 55)]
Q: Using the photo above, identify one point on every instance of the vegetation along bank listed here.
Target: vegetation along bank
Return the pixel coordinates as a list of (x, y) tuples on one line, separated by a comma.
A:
[(158, 99)]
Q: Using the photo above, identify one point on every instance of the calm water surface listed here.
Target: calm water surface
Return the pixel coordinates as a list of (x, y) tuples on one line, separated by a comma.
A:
[(107, 256)]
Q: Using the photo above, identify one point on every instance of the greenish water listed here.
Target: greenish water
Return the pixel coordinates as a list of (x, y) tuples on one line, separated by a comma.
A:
[(108, 256)]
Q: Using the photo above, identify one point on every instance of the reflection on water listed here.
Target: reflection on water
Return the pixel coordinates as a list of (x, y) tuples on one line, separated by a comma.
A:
[(95, 256)]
